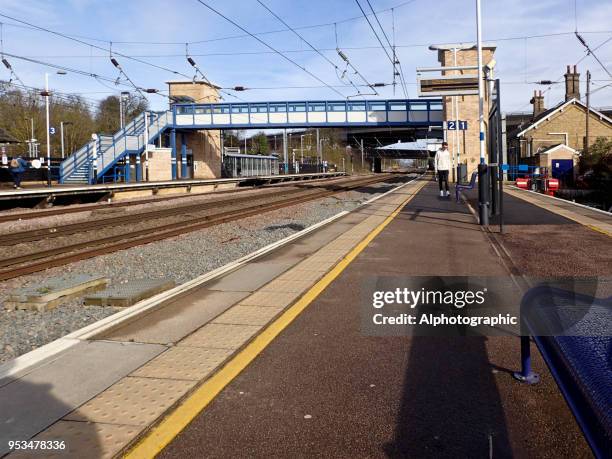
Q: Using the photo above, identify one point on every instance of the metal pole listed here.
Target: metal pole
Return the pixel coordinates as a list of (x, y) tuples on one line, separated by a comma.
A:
[(318, 146), (285, 152), (480, 83), (526, 375), (146, 146), (121, 122), (362, 156), (32, 139), (48, 127), (588, 102), (62, 136)]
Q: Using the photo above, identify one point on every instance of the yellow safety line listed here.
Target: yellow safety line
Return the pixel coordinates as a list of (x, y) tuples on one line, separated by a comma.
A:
[(570, 215), (600, 230), (161, 435)]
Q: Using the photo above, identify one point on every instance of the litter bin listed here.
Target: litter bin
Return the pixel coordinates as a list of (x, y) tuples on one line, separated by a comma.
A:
[(462, 173)]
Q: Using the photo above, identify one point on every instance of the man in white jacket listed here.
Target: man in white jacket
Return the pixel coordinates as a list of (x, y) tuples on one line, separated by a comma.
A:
[(442, 165)]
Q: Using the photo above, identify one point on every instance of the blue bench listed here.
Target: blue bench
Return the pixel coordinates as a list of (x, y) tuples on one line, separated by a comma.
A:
[(465, 186), (572, 332)]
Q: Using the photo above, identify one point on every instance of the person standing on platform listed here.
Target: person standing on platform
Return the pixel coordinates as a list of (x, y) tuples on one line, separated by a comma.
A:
[(17, 166), (442, 164)]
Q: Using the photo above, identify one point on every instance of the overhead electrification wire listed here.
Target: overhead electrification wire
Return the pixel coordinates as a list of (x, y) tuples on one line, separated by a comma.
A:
[(333, 64), (396, 62), (379, 40), (592, 53), (68, 37), (269, 46)]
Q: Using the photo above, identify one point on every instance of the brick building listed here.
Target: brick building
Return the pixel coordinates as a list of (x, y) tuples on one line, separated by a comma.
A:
[(564, 124)]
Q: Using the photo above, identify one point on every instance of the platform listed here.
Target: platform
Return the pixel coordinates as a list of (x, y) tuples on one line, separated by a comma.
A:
[(141, 189), (268, 358)]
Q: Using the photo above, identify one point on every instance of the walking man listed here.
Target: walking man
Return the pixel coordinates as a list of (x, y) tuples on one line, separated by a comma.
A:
[(442, 164), (17, 166)]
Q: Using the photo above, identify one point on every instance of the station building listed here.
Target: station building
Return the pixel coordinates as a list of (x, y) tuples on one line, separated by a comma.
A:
[(556, 137)]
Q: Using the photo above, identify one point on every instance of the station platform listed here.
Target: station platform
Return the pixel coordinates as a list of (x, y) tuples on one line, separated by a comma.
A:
[(39, 195), (267, 358)]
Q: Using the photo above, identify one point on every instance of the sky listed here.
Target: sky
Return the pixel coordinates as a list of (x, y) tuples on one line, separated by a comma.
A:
[(156, 32)]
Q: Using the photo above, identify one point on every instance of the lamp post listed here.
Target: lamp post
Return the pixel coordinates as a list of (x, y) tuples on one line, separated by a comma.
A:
[(62, 124), (122, 98), (46, 94), (32, 139)]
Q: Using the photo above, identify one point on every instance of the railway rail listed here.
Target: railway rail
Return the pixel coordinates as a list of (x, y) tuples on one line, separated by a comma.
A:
[(243, 207), (62, 210)]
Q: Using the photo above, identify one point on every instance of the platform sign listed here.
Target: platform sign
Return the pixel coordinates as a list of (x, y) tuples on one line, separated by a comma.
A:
[(459, 125), (52, 130), (447, 85)]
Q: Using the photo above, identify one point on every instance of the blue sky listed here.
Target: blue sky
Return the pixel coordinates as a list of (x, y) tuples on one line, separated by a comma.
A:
[(418, 24)]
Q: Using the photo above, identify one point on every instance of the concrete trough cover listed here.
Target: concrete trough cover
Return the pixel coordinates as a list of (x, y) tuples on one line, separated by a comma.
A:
[(48, 294), (129, 293)]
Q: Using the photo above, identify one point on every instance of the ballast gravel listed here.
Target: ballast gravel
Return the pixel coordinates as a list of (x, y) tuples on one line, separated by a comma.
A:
[(181, 259)]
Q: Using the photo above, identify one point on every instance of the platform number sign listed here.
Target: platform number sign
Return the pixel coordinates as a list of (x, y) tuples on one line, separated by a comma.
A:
[(52, 130), (457, 125)]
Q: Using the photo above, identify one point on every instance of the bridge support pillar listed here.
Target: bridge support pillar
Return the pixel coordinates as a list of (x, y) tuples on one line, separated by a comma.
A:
[(138, 169), (183, 157), (173, 152), (126, 169)]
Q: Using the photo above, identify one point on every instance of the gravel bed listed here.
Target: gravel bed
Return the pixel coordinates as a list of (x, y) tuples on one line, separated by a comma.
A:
[(136, 206), (180, 258)]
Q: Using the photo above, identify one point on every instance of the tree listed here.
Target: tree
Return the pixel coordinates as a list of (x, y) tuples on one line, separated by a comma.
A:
[(259, 144), (107, 116)]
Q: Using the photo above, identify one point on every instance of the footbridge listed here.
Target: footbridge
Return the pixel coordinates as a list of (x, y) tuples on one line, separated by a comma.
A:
[(96, 160)]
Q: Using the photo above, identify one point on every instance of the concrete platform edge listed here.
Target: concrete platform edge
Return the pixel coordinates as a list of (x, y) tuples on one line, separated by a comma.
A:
[(31, 360)]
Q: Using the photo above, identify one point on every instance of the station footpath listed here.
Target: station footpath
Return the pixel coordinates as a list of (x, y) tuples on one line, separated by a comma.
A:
[(269, 360)]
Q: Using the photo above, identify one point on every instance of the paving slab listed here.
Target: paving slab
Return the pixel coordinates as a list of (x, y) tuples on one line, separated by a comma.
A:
[(221, 336), (250, 277), (35, 401), (100, 441), (132, 401), (177, 319), (184, 363), (247, 315)]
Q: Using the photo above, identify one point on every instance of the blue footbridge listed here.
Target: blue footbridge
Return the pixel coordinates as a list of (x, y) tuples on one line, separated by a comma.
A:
[(95, 162)]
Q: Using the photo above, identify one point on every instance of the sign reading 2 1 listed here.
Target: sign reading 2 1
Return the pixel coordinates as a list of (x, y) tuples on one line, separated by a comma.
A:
[(457, 125)]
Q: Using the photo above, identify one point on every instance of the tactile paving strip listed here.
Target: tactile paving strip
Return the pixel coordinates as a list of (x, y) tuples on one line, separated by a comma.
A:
[(270, 299), (247, 315), (287, 286), (224, 336), (297, 274), (132, 401), (83, 439), (184, 363)]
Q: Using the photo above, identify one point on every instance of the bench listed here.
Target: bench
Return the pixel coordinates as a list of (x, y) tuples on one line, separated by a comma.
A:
[(572, 332), (465, 186)]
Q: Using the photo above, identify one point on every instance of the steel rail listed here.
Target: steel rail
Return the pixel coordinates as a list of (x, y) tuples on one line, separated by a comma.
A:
[(57, 257)]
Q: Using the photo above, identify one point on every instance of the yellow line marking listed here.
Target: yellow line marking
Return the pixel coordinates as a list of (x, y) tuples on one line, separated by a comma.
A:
[(570, 215), (599, 230), (161, 435)]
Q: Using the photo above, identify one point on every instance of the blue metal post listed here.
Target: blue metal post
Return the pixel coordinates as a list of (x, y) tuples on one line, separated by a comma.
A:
[(526, 375), (183, 157), (138, 168), (173, 154)]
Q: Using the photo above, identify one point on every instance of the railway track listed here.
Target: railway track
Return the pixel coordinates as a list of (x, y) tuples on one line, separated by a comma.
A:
[(30, 215), (53, 257)]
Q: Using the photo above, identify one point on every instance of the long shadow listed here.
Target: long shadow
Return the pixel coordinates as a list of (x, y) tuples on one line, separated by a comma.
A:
[(28, 409), (450, 405)]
